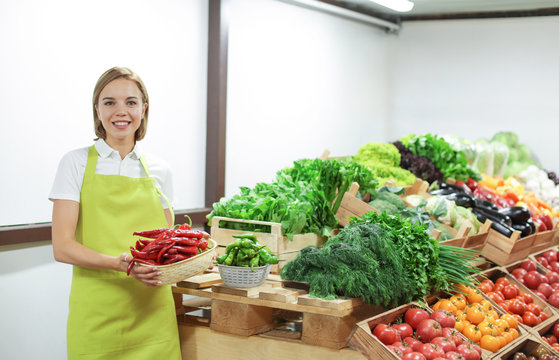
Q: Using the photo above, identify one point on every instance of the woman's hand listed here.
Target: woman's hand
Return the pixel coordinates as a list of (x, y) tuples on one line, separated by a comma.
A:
[(146, 274)]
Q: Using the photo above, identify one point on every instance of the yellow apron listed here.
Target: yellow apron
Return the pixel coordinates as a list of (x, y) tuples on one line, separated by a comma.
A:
[(113, 316)]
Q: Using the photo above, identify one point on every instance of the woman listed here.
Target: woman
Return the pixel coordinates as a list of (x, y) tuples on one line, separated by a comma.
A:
[(101, 195)]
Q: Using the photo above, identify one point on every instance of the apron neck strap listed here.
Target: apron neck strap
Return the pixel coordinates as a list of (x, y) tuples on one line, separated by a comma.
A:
[(145, 166)]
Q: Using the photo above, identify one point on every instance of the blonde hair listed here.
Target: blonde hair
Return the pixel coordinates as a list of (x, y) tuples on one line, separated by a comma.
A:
[(108, 76)]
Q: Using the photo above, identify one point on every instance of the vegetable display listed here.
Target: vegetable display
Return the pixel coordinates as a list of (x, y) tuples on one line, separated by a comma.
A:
[(383, 259), (304, 198), (245, 251), (384, 161), (451, 163), (420, 166), (168, 246)]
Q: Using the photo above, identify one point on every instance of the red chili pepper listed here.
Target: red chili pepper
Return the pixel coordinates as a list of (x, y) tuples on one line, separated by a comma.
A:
[(472, 184), (157, 244), (188, 233), (464, 186), (191, 250), (152, 234), (186, 241), (203, 245), (185, 226), (175, 258), (162, 252), (139, 245)]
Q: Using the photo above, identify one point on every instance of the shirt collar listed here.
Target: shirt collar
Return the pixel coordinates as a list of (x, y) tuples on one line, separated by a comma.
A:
[(106, 151)]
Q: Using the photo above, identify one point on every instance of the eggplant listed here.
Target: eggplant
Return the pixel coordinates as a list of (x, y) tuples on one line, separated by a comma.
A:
[(454, 187), (486, 204), (493, 215), (502, 228), (462, 199), (518, 214), (532, 226), (524, 228), (446, 191)]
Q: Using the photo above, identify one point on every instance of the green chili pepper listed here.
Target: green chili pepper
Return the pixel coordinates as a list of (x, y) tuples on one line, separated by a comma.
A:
[(254, 262), (232, 254), (221, 259), (247, 243), (245, 236), (235, 243)]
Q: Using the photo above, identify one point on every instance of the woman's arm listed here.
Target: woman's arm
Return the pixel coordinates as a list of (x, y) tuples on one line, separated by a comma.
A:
[(169, 218), (68, 250)]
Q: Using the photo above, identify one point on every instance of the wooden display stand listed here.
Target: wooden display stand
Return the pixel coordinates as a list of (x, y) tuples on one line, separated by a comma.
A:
[(504, 250), (286, 249), (246, 312), (543, 240)]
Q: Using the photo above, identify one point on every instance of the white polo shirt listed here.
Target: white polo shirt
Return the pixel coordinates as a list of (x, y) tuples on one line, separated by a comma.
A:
[(71, 169)]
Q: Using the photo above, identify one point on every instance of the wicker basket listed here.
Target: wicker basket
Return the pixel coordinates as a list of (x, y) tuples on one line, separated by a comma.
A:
[(243, 277), (181, 270)]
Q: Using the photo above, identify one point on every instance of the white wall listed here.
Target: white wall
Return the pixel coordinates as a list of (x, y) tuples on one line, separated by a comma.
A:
[(300, 82), (476, 77), (52, 54)]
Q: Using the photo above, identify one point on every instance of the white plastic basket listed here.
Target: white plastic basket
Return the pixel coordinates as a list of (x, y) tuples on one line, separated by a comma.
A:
[(243, 277)]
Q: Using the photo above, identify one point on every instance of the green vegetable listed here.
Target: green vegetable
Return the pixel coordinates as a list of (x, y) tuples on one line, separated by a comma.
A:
[(391, 198), (304, 198), (450, 162), (384, 161), (384, 206), (247, 252)]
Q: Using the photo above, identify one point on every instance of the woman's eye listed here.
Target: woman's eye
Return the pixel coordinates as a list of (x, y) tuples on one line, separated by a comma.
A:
[(132, 103), (108, 103)]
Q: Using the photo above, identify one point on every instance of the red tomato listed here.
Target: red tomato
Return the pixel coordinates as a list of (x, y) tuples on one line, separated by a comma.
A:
[(545, 289), (414, 356), (413, 343), (550, 255), (415, 316), (528, 265), (533, 308), (532, 279), (551, 339), (554, 265), (530, 319), (403, 329), (453, 335), (427, 330), (444, 317), (510, 291), (495, 296), (503, 280), (553, 299), (541, 295), (519, 272), (444, 343), (468, 352), (453, 355), (553, 277), (556, 330), (387, 335), (527, 298), (542, 261), (402, 348), (517, 307), (431, 351), (555, 286), (543, 317)]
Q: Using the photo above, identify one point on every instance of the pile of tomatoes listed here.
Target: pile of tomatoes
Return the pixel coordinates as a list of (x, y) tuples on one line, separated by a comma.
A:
[(519, 305), (478, 320), (419, 335), (545, 286), (552, 337)]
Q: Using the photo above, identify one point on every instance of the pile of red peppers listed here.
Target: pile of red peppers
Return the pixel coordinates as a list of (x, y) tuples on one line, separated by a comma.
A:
[(168, 246)]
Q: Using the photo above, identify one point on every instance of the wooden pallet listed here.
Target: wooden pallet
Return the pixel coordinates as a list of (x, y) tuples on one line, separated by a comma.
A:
[(254, 311)]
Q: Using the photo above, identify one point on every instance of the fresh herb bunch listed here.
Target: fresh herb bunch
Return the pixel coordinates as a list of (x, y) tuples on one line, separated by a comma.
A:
[(450, 162), (303, 198), (420, 166), (361, 261), (383, 259)]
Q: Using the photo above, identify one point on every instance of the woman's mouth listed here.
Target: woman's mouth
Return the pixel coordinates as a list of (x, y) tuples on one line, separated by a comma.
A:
[(121, 124)]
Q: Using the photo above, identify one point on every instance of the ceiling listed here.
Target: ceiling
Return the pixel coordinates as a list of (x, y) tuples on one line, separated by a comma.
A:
[(454, 9)]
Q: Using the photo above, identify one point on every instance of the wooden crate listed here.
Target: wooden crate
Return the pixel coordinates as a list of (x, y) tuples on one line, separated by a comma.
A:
[(351, 206), (537, 254), (363, 340), (526, 344), (285, 248), (252, 311), (495, 273), (477, 241), (543, 240), (504, 250), (539, 333)]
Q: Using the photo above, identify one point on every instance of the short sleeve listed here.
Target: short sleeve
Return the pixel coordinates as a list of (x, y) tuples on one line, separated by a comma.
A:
[(69, 176)]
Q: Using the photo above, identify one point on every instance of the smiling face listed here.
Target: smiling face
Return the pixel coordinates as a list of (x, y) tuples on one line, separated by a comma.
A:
[(120, 109)]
